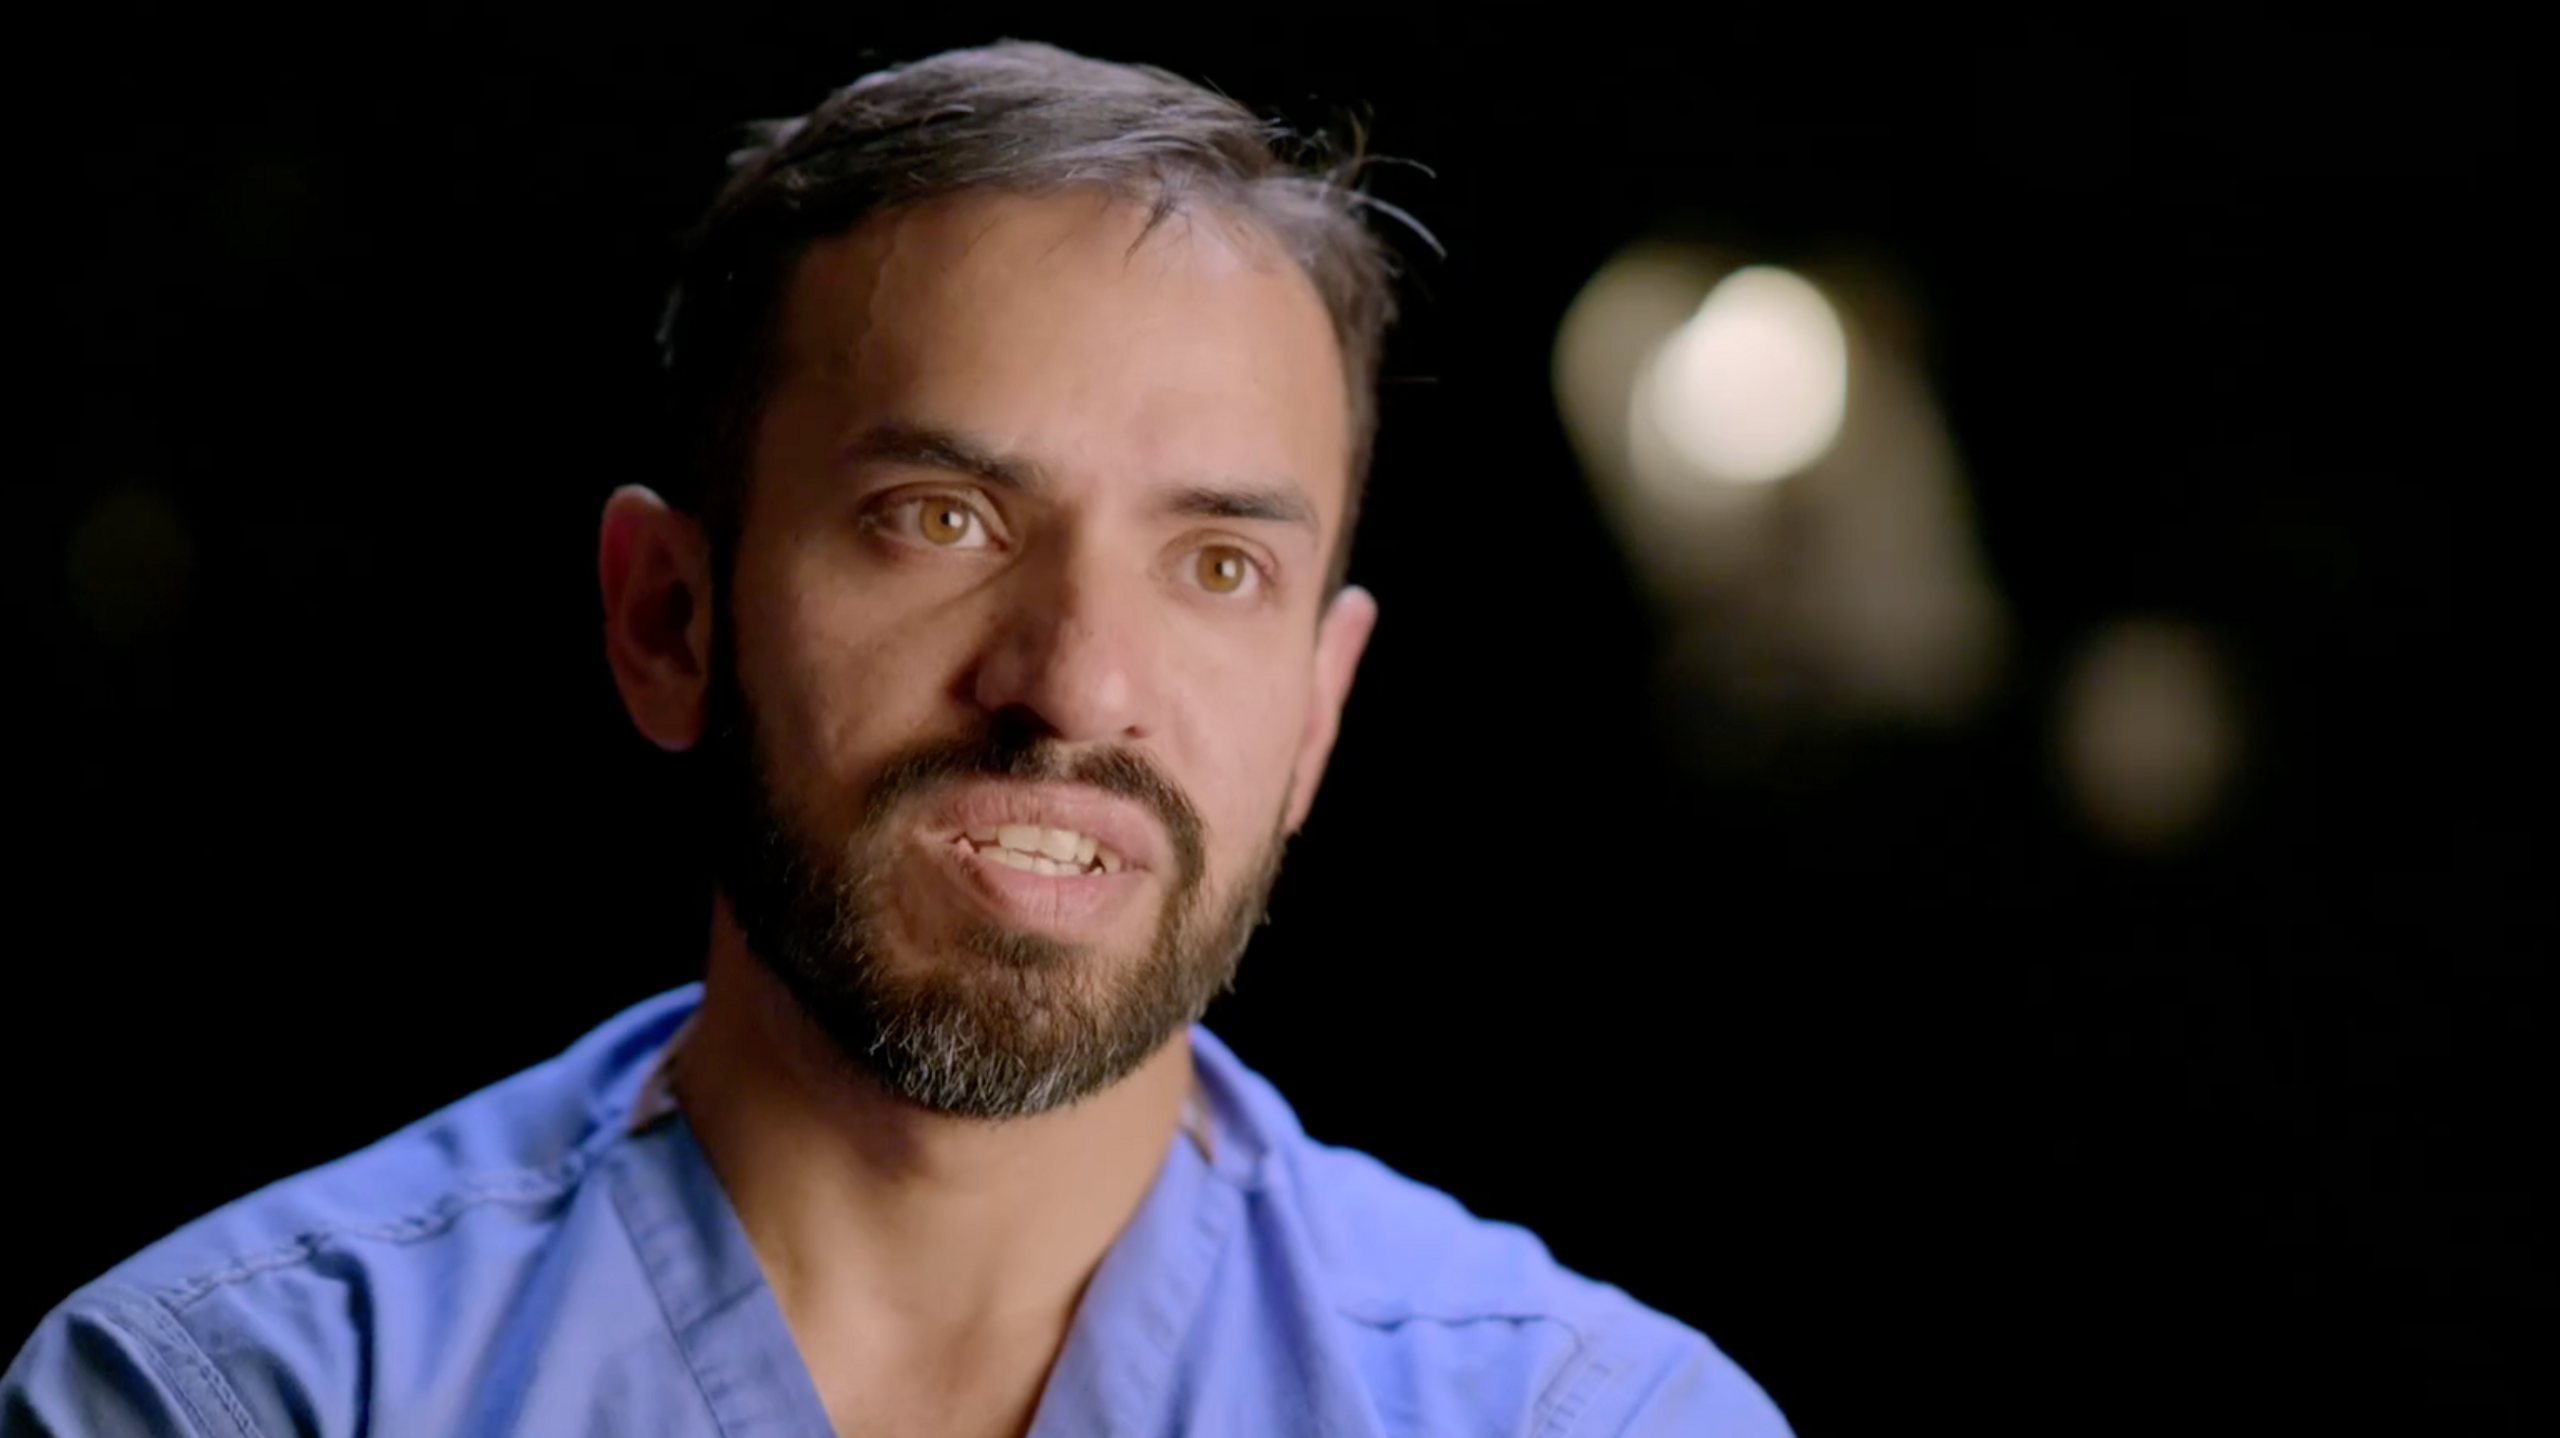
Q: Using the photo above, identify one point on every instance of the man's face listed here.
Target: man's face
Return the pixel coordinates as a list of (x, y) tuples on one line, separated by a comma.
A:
[(1028, 662)]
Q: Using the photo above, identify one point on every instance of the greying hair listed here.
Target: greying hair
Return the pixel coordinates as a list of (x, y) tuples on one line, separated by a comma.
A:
[(1018, 117)]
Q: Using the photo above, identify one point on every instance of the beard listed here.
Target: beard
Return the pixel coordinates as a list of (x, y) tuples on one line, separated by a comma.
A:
[(1003, 1022)]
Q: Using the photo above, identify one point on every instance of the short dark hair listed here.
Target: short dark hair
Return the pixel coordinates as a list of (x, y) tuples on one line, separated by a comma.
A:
[(1017, 117)]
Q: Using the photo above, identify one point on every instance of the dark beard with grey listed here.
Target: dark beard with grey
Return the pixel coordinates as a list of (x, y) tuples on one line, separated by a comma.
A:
[(1032, 1023)]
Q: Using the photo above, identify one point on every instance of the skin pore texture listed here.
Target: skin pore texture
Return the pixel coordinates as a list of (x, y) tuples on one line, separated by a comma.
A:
[(1037, 533)]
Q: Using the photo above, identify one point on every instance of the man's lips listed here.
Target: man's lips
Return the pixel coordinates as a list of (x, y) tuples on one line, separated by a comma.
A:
[(1048, 830), (1081, 902)]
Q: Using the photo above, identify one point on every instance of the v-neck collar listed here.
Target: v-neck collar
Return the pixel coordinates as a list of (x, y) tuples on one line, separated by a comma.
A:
[(1116, 1373)]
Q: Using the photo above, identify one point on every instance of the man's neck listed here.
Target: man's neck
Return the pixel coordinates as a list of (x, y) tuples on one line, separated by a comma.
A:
[(906, 1237)]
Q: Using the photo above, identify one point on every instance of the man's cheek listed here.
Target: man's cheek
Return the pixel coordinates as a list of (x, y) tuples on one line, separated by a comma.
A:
[(1239, 811)]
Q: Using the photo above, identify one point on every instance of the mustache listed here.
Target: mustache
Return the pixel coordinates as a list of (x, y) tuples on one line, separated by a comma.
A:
[(1016, 748)]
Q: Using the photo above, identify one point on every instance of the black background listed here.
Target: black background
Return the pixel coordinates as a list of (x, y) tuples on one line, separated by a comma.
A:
[(1927, 1108)]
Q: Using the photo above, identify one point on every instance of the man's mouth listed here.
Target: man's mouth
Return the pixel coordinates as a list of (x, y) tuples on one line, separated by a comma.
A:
[(1038, 849)]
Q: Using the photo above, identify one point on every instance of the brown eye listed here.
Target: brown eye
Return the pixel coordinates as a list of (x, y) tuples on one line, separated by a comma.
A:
[(1223, 570), (943, 521)]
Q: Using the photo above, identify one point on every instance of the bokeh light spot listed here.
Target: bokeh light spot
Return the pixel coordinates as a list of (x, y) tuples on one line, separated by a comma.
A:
[(129, 564), (2150, 735), (1755, 385)]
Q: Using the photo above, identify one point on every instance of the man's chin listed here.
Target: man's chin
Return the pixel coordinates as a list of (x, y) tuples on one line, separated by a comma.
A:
[(1012, 976), (1011, 1028), (944, 938), (958, 1015)]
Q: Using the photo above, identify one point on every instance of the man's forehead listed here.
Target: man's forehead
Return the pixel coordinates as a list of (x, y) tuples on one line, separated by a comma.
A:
[(984, 310), (1056, 229)]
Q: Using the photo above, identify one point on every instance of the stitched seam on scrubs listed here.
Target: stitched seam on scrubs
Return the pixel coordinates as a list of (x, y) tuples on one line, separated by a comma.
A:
[(168, 1338), (1566, 1396), (539, 1186), (617, 1184), (1565, 1413), (1564, 1410), (1373, 1318), (1579, 1372)]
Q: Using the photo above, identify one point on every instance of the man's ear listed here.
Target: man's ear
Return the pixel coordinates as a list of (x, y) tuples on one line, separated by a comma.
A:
[(654, 564), (1341, 637)]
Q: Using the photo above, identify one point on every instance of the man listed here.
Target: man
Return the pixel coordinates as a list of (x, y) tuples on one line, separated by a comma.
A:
[(1028, 400)]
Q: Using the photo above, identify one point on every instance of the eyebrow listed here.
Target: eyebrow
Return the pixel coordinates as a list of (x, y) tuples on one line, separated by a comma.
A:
[(927, 447), (1278, 503)]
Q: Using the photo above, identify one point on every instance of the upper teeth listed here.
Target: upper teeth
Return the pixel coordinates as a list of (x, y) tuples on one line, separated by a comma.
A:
[(1043, 850)]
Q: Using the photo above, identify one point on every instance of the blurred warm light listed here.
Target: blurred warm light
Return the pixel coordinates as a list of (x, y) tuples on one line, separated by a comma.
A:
[(2149, 733), (1606, 343), (128, 563), (1771, 459), (1754, 386)]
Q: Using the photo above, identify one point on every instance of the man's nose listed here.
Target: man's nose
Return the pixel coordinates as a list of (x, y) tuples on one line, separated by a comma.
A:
[(1074, 645)]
